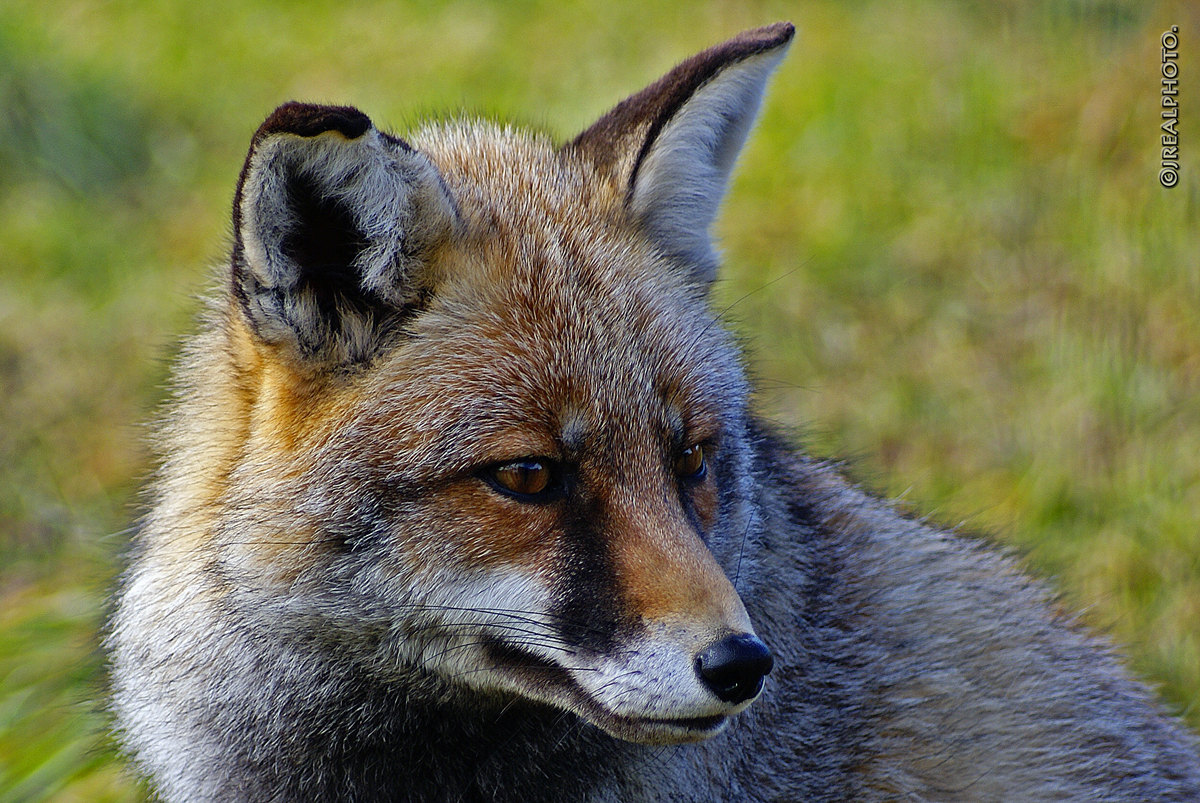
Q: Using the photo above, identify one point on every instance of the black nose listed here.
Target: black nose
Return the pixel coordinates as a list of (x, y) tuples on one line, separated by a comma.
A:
[(735, 666)]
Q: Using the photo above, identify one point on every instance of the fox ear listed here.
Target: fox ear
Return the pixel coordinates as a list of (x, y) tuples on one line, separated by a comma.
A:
[(332, 221), (673, 144)]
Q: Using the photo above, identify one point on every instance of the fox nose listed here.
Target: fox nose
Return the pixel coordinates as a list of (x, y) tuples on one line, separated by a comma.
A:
[(734, 667)]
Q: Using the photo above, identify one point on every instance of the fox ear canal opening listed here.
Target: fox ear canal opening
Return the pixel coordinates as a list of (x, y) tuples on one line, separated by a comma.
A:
[(324, 245), (333, 224)]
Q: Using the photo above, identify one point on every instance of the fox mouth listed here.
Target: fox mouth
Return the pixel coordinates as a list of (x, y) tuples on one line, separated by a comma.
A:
[(670, 731), (698, 724), (550, 683), (643, 730)]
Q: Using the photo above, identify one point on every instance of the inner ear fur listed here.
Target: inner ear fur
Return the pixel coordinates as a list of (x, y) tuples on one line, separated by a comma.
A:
[(672, 146), (332, 222)]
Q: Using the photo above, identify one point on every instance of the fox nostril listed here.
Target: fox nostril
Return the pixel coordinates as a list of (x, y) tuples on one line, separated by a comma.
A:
[(734, 667)]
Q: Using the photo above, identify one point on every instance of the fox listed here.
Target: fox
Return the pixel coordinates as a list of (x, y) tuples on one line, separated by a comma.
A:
[(461, 497)]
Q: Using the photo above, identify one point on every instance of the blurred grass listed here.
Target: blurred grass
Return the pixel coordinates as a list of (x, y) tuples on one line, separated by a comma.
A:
[(980, 296)]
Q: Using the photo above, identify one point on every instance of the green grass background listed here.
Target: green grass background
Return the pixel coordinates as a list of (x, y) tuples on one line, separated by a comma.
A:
[(946, 246)]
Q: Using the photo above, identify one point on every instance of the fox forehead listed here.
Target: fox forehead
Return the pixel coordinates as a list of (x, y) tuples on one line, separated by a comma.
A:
[(501, 176), (552, 359), (552, 324)]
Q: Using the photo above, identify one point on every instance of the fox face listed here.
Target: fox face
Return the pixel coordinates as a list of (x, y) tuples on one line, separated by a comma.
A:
[(474, 417)]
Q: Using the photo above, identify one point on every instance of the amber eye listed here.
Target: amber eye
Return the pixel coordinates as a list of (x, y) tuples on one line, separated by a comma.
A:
[(690, 464), (523, 477)]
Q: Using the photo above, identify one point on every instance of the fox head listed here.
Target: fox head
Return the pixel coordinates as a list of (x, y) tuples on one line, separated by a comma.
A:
[(485, 425)]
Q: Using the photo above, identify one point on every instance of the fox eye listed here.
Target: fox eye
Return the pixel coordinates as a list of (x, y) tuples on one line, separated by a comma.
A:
[(531, 477), (691, 464)]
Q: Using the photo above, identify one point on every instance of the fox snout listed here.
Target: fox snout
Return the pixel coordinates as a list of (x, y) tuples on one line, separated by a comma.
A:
[(734, 667), (626, 617)]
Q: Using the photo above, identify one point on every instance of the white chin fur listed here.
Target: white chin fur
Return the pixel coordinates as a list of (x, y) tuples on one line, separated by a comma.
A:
[(652, 679), (647, 692)]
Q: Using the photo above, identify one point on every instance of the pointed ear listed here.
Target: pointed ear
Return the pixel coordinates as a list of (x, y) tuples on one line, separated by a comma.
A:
[(673, 144), (332, 222)]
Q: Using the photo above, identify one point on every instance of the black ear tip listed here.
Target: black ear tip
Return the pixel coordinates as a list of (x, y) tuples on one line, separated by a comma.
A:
[(309, 120), (778, 33), (757, 40)]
